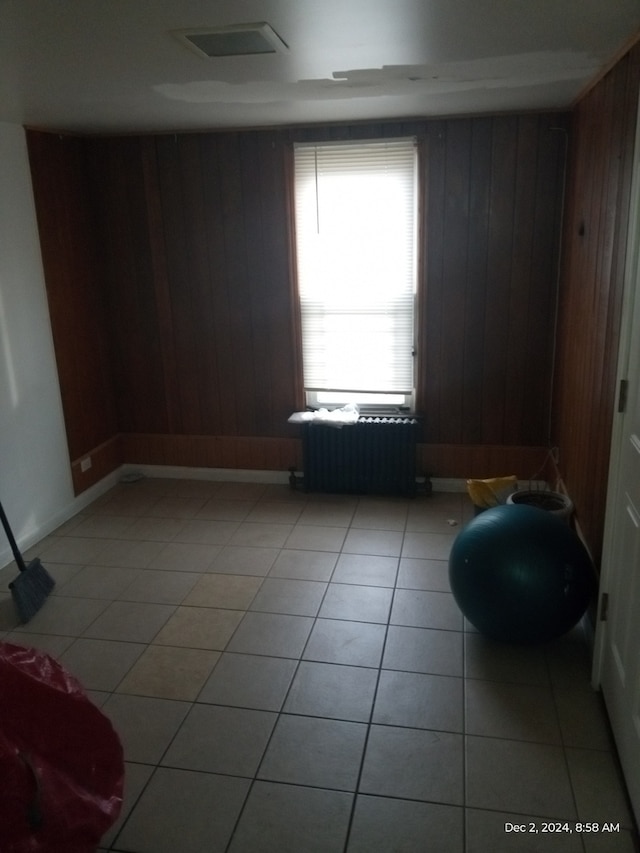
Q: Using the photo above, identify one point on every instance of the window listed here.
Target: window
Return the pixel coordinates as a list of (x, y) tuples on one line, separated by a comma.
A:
[(355, 220)]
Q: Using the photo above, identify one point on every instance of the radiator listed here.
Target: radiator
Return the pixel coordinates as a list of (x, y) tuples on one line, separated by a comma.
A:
[(376, 455)]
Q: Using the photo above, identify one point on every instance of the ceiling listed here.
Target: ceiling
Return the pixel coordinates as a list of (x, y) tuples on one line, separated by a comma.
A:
[(117, 65)]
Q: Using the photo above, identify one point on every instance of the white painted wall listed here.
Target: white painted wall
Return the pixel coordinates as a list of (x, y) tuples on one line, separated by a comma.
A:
[(35, 478)]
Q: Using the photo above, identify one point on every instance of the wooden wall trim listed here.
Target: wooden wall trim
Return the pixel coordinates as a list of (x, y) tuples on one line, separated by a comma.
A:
[(105, 458), (257, 453), (480, 461), (280, 454)]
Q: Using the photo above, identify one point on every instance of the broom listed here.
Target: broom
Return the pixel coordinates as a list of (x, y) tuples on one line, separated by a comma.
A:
[(32, 586)]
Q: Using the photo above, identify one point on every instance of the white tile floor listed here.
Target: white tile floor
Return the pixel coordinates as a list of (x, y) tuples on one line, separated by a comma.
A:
[(290, 672)]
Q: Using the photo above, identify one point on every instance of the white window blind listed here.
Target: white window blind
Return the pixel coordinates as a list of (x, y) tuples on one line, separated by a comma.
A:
[(355, 219)]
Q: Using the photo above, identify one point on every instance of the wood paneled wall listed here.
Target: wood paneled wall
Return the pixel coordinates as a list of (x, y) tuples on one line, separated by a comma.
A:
[(493, 195), (494, 201), (595, 243), (75, 289), (191, 254), (196, 247)]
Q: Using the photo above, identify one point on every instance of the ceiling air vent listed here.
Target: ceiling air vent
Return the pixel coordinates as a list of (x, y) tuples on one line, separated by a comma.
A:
[(234, 40)]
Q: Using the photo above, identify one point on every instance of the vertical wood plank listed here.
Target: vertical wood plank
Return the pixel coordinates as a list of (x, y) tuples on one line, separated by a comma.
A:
[(476, 285), (432, 368), (521, 297), (238, 296), (75, 288), (454, 273), (595, 241), (499, 276), (222, 411)]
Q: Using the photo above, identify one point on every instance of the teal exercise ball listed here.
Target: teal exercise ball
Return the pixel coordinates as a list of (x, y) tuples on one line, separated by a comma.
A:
[(520, 575)]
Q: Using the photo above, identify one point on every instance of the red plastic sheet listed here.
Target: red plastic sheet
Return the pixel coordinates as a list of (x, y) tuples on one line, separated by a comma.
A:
[(61, 762)]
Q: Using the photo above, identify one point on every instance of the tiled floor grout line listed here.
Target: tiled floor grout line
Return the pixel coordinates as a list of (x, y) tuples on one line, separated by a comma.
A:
[(464, 742), (299, 659), (562, 737), (374, 698), (158, 764), (281, 711), (356, 792)]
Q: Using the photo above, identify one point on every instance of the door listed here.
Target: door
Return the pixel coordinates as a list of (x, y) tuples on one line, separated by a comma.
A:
[(617, 658)]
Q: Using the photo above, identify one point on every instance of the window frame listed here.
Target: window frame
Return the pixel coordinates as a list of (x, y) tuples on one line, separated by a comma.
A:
[(403, 402)]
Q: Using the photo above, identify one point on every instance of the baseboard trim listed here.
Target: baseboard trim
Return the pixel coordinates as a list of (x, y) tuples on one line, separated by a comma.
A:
[(76, 505), (183, 472), (244, 475), (448, 484)]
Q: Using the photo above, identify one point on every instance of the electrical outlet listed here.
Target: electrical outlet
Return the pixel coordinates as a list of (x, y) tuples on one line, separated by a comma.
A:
[(85, 464)]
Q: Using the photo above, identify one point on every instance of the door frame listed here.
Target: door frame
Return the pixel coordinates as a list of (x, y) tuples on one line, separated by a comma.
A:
[(631, 293)]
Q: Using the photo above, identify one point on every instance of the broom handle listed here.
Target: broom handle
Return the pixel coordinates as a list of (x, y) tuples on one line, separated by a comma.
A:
[(12, 541)]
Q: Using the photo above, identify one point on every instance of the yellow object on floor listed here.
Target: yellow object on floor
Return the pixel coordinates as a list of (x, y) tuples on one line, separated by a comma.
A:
[(491, 492)]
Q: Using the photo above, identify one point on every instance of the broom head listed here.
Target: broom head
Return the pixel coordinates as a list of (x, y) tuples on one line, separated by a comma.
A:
[(30, 589)]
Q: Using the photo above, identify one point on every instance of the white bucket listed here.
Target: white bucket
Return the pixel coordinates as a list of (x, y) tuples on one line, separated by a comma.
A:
[(554, 502)]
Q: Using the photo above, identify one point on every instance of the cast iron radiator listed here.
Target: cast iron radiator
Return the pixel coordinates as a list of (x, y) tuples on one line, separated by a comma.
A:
[(376, 455)]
